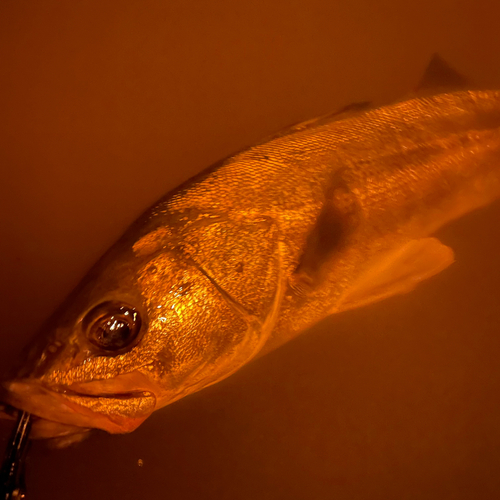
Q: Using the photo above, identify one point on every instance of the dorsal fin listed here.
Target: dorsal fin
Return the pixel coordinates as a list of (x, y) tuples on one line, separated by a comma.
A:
[(319, 120), (440, 75)]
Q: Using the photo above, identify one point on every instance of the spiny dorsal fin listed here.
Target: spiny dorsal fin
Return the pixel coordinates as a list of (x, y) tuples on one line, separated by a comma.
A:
[(314, 122), (440, 75)]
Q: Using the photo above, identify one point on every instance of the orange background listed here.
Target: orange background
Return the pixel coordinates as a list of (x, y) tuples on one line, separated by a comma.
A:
[(106, 105)]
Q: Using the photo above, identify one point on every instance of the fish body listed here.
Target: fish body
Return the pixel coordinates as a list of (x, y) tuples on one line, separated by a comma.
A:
[(328, 215)]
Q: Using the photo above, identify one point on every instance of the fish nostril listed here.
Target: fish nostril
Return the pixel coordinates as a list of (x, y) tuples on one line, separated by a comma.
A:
[(55, 347), (42, 359)]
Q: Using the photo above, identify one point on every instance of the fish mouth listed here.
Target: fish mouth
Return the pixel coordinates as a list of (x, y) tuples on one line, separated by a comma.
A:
[(60, 434), (82, 406)]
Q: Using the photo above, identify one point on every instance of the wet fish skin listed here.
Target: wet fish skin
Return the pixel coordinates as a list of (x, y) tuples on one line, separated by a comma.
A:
[(329, 215)]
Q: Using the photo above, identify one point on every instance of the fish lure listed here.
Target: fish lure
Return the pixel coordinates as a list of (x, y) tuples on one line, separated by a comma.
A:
[(12, 485)]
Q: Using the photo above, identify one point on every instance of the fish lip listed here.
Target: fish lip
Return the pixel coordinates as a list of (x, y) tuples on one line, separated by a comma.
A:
[(42, 428), (67, 391), (114, 412)]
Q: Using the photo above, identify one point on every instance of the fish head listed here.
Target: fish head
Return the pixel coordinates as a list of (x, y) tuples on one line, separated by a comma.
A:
[(147, 326)]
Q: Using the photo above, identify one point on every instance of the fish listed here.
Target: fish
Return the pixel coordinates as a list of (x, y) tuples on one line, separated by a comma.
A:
[(328, 215)]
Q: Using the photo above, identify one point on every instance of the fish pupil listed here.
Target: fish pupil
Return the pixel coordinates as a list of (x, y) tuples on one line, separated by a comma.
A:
[(114, 333)]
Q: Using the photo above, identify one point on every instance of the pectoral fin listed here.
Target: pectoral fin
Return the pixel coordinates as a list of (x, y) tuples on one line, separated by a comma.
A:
[(398, 272)]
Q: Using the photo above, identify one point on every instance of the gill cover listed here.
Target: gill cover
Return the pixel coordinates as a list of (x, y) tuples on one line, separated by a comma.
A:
[(212, 293)]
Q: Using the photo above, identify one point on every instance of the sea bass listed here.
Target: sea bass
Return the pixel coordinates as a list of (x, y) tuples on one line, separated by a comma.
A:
[(328, 215)]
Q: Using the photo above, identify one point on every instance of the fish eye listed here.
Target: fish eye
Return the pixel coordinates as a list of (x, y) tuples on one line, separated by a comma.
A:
[(112, 326)]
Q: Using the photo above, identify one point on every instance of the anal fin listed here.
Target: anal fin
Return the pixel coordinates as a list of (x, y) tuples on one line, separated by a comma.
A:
[(397, 272)]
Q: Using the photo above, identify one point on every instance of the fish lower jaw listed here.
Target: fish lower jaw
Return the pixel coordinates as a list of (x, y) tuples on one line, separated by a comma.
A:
[(114, 413)]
